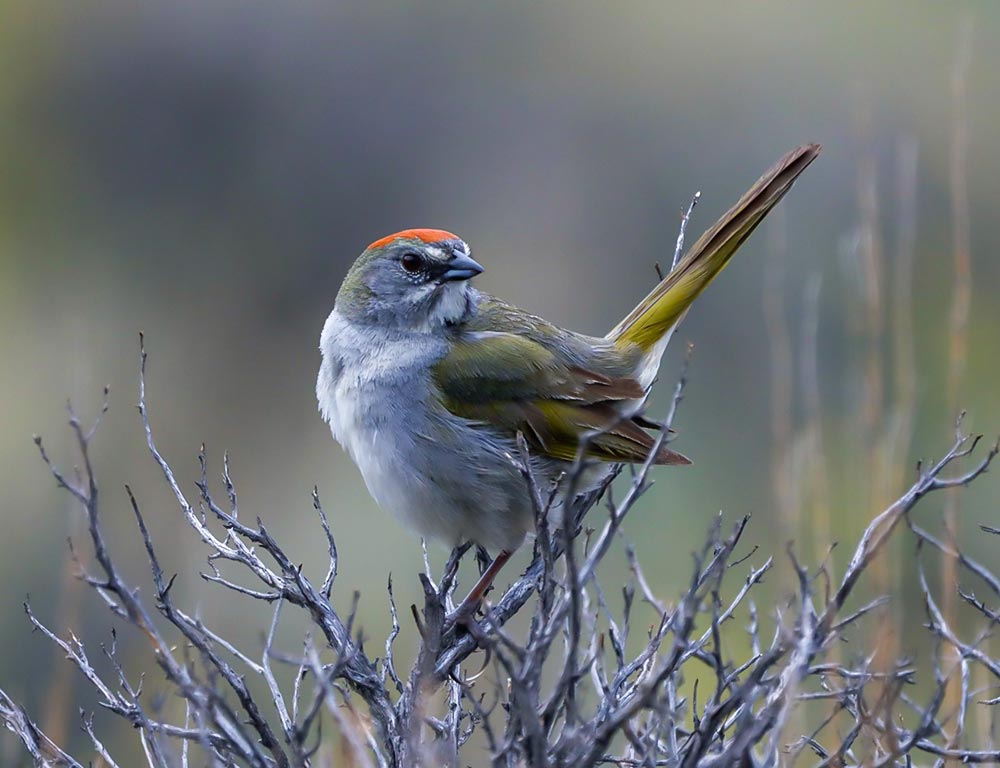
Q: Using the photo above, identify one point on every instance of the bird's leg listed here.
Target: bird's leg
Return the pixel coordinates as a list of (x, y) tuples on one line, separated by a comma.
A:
[(475, 597), (483, 558)]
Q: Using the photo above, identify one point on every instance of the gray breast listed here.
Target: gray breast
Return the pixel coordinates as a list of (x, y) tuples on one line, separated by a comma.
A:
[(446, 477)]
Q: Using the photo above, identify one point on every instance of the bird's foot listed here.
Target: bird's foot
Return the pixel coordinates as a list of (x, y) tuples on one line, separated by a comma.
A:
[(463, 615), (466, 611)]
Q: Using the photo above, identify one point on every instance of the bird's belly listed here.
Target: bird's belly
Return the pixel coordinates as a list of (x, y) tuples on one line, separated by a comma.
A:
[(442, 476)]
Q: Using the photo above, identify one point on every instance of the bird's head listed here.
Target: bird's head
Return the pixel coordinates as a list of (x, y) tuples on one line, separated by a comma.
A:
[(417, 279)]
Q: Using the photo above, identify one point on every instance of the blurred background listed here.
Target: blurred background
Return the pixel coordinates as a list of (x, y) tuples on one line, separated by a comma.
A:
[(206, 172)]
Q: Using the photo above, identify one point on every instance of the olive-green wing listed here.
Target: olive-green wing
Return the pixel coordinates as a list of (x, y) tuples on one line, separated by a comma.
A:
[(514, 383)]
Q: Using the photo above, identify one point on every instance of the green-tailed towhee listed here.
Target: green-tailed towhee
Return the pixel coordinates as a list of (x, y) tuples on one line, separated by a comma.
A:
[(426, 382)]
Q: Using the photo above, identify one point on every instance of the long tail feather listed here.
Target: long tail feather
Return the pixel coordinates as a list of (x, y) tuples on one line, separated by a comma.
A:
[(657, 315)]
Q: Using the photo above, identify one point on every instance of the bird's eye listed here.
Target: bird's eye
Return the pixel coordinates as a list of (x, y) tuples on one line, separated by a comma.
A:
[(411, 262)]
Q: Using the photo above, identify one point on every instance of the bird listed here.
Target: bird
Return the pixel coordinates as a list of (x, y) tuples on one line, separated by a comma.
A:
[(428, 383)]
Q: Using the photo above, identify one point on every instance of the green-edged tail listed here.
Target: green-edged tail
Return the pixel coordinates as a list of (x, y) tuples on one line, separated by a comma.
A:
[(658, 313)]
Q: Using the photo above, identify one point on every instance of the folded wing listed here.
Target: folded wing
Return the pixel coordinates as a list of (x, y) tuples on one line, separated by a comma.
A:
[(507, 372)]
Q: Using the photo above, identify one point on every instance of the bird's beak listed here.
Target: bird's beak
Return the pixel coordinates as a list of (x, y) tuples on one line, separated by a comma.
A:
[(460, 268)]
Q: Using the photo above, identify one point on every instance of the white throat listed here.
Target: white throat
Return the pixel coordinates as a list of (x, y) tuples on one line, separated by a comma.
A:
[(454, 303)]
